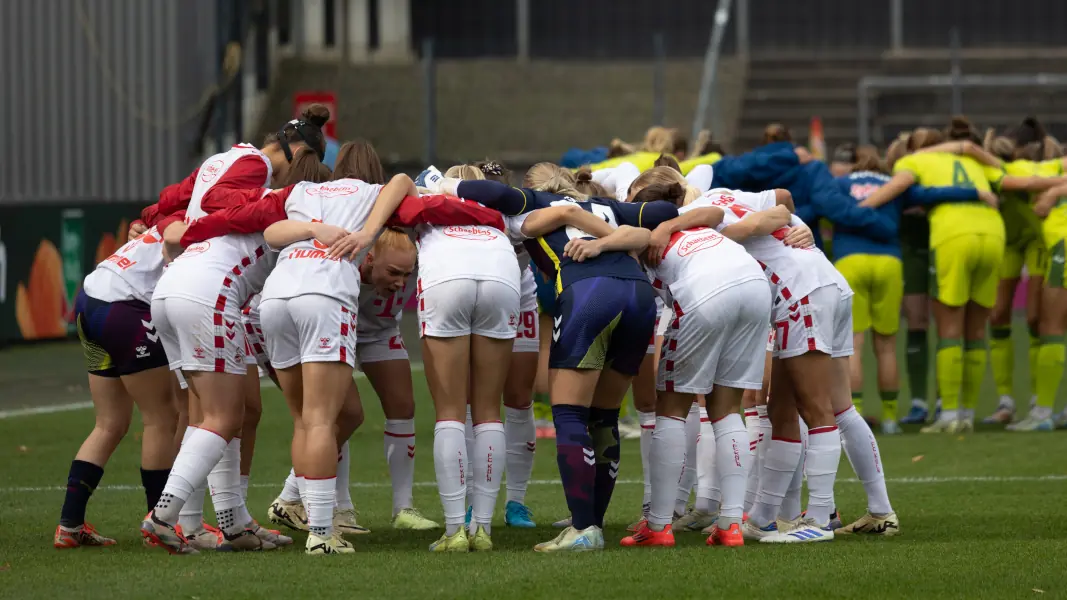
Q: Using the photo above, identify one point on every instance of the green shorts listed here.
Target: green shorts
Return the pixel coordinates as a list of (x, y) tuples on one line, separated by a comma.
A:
[(915, 253)]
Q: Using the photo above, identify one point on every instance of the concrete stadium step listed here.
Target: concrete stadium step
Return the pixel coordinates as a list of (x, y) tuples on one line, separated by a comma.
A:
[(792, 89)]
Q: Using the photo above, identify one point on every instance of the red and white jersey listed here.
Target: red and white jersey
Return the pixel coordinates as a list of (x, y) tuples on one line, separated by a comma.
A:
[(793, 272), (476, 252), (214, 170), (303, 267), (131, 273), (378, 317), (699, 263), (230, 267)]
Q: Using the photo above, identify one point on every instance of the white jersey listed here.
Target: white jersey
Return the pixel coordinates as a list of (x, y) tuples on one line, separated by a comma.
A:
[(303, 268), (131, 273), (229, 268), (378, 318), (475, 252), (699, 263), (794, 273)]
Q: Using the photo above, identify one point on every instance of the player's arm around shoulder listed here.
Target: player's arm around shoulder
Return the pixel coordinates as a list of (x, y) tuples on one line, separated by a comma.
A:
[(623, 239), (759, 223)]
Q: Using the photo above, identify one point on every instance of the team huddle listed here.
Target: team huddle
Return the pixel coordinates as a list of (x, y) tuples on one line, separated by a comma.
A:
[(702, 286)]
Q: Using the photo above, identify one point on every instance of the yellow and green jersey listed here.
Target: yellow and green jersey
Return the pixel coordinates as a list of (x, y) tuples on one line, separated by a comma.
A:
[(642, 160), (948, 221), (704, 159), (1021, 225)]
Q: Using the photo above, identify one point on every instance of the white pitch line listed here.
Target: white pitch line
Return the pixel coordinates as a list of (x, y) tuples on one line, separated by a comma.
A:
[(43, 410), (556, 482), (33, 411)]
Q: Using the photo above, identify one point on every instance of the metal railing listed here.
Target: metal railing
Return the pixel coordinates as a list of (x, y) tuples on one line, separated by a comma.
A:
[(955, 83), (369, 30)]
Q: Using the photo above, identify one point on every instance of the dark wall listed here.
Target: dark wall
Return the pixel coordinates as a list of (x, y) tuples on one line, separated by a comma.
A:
[(622, 29)]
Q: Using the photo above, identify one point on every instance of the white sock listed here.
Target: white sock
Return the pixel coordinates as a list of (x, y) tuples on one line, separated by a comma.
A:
[(708, 493), (450, 465), (344, 491), (820, 466), (321, 496), (689, 474), (666, 462), (779, 463), (647, 420), (400, 454), (191, 516), (752, 425), (469, 435), (791, 505), (489, 447), (521, 436), (732, 461), (244, 488), (290, 491), (198, 455), (866, 459), (225, 484), (301, 484)]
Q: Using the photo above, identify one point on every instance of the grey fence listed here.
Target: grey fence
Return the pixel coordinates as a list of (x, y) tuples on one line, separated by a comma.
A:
[(102, 98)]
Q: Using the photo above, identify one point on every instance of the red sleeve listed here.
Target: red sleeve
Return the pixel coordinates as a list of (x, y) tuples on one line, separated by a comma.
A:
[(162, 224), (221, 197), (250, 217), (444, 210), (246, 173), (172, 198)]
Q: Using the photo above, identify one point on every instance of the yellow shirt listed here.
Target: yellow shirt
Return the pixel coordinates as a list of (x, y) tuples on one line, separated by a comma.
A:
[(704, 159), (642, 160), (950, 220), (1029, 168)]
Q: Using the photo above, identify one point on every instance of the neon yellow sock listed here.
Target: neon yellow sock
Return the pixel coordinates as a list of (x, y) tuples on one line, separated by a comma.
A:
[(975, 356), (949, 372), (857, 401), (889, 405), (1050, 361), (1002, 359), (1035, 346)]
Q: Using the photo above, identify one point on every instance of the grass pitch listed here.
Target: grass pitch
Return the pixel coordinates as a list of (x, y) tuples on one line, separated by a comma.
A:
[(981, 517)]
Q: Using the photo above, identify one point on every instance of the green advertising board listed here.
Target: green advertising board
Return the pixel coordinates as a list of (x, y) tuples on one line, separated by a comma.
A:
[(45, 252)]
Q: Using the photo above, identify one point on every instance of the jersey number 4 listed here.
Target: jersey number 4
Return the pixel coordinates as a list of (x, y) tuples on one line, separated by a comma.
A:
[(959, 176), (604, 212)]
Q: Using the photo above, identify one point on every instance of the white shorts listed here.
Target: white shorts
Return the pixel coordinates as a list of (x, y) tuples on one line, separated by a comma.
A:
[(381, 350), (820, 321), (309, 328), (664, 316), (719, 342), (527, 334), (197, 337), (255, 344), (527, 291), (468, 307)]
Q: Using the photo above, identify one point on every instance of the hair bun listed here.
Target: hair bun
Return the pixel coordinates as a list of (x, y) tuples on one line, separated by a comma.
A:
[(316, 114), (584, 174), (490, 167)]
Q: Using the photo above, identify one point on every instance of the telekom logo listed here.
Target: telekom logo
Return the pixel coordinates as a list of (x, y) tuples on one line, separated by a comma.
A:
[(211, 170)]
